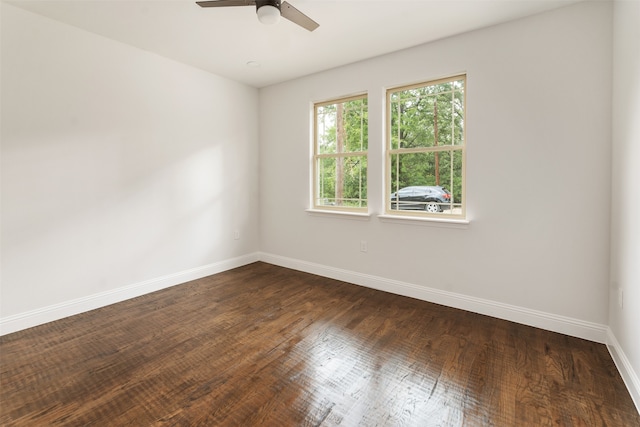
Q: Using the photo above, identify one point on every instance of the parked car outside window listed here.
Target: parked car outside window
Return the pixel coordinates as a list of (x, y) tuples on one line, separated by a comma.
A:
[(431, 199)]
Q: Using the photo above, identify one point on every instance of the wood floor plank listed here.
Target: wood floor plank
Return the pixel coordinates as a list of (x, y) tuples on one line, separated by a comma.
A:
[(263, 345)]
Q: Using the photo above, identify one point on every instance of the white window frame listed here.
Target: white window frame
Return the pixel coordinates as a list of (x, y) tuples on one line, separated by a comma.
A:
[(318, 156), (455, 215)]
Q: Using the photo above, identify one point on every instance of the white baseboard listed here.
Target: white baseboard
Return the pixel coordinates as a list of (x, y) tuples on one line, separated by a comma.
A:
[(69, 308), (629, 376), (539, 319), (552, 322)]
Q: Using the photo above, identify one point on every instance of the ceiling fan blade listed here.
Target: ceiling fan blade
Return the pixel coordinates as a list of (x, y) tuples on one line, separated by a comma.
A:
[(294, 15), (225, 3)]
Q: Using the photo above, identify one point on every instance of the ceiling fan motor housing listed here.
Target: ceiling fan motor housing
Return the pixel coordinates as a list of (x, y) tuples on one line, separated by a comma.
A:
[(274, 3)]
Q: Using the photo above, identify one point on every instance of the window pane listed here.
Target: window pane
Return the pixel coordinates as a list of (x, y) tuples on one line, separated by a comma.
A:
[(342, 181), (428, 116), (418, 180), (356, 125), (342, 127), (326, 129)]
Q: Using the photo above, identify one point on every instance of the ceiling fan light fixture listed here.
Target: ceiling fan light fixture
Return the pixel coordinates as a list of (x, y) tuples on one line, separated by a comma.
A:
[(268, 14), (268, 11)]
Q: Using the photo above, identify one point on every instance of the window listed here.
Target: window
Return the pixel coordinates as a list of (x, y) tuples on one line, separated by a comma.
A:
[(340, 154), (425, 159)]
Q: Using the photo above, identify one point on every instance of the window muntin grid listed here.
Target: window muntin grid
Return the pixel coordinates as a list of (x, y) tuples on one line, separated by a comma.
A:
[(340, 154), (426, 148)]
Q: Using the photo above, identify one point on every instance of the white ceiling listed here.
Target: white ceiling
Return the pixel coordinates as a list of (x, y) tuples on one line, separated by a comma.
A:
[(224, 40)]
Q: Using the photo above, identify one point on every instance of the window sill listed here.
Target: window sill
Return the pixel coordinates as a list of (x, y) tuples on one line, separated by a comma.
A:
[(430, 222), (359, 216)]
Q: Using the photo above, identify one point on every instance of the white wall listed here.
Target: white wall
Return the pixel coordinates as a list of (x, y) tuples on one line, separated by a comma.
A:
[(625, 232), (538, 174), (119, 167), (123, 172)]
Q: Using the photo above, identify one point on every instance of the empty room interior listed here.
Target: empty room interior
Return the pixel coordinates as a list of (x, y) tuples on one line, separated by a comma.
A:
[(169, 255)]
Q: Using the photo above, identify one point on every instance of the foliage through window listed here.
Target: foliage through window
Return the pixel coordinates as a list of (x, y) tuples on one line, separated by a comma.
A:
[(426, 148), (340, 154)]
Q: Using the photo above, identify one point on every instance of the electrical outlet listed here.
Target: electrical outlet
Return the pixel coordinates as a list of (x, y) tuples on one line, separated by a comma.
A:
[(236, 235), (620, 298), (363, 246)]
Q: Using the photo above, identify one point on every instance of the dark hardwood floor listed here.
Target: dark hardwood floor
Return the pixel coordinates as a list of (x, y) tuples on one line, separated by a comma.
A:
[(264, 345)]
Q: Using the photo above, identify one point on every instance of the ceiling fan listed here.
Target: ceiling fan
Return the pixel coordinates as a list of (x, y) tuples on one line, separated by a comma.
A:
[(269, 11)]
